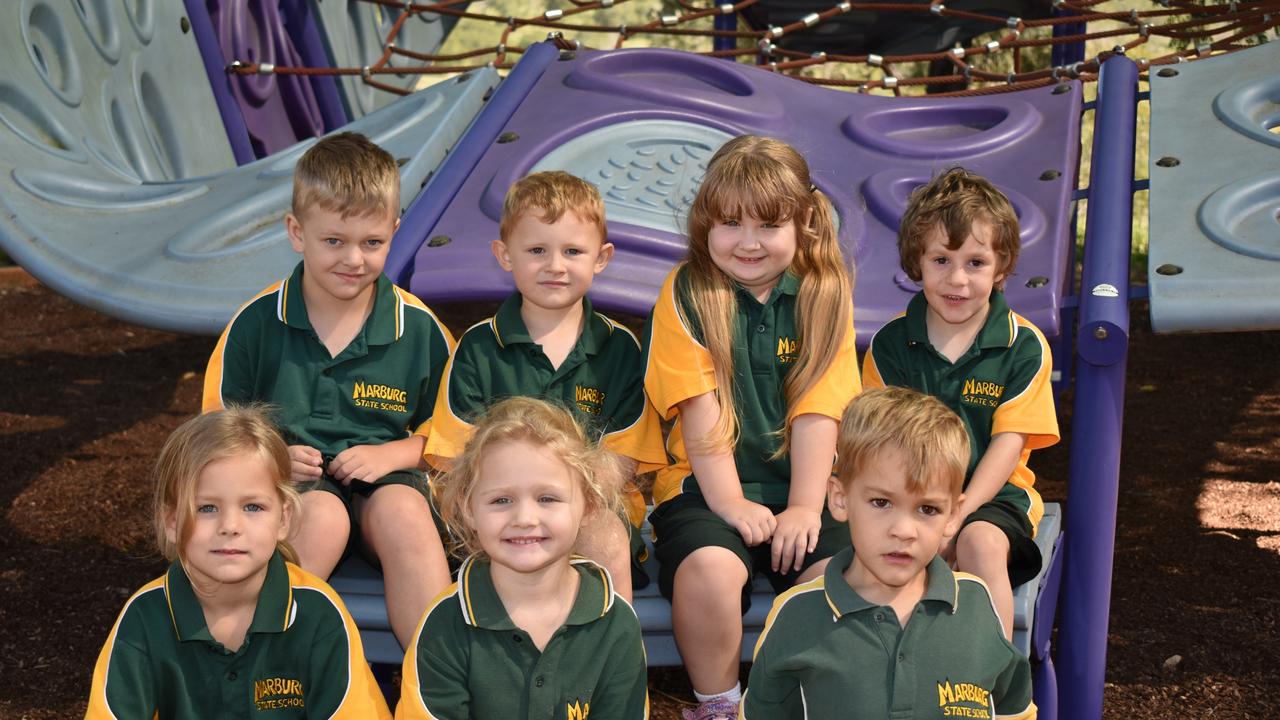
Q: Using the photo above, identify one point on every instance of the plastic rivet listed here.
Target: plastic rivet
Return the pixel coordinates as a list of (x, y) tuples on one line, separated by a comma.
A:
[(1169, 269), (1168, 161), (1038, 281), (1050, 175), (567, 55), (1061, 88), (439, 240), (508, 137), (1168, 72), (185, 24)]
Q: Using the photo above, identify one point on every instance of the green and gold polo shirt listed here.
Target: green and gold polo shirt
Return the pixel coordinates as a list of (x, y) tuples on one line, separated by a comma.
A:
[(1001, 384), (469, 661), (678, 367), (382, 387), (825, 653), (601, 381), (301, 658)]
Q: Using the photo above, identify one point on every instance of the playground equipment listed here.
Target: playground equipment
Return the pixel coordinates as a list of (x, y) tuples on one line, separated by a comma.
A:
[(121, 192)]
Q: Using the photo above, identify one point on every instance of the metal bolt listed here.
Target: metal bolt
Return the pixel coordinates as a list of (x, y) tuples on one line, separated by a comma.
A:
[(1169, 269), (1100, 333), (1038, 281), (185, 24), (1050, 175), (1168, 161), (508, 137), (1167, 72), (439, 240), (1061, 87)]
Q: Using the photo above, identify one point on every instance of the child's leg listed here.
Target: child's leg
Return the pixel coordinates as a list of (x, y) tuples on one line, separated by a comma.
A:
[(604, 537), (706, 616), (322, 533), (983, 550), (397, 525)]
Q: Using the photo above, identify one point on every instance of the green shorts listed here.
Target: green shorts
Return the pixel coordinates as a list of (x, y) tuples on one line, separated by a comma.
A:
[(415, 479), (684, 524), (1024, 555), (639, 553)]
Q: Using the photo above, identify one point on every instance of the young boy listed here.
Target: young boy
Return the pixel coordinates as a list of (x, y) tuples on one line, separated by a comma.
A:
[(547, 342), (888, 626), (352, 364), (960, 342)]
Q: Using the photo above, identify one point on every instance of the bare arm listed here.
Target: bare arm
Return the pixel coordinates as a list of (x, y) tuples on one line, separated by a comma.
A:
[(813, 451), (717, 473), (368, 463)]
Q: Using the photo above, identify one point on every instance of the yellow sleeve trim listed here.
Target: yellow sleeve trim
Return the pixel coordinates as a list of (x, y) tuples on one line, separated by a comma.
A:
[(679, 367)]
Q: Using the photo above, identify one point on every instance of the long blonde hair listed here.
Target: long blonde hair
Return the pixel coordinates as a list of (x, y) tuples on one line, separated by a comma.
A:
[(768, 180), (206, 439), (539, 423)]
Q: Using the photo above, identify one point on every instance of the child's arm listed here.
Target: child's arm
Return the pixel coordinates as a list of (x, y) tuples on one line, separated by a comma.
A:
[(122, 683), (717, 474), (813, 451), (993, 471), (623, 689), (368, 463), (1012, 690)]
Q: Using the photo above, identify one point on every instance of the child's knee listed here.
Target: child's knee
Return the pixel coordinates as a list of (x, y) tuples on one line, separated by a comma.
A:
[(326, 510), (713, 569), (982, 543)]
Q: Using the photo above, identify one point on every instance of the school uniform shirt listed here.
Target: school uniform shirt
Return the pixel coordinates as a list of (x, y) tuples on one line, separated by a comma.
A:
[(469, 661), (1001, 384), (301, 658), (679, 367), (601, 381), (381, 387), (825, 652)]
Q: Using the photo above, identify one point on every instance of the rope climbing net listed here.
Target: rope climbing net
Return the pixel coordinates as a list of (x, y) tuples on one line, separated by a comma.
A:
[(1012, 55)]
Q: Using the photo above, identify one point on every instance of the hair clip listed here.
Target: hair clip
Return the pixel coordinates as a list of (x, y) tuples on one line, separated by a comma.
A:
[(813, 188)]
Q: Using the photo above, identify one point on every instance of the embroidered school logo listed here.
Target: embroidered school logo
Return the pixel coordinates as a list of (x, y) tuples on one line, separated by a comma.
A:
[(379, 397), (588, 399), (980, 392), (578, 710), (278, 693), (964, 700), (787, 350)]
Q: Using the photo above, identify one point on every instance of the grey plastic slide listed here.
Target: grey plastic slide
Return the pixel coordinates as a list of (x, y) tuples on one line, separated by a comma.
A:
[(1215, 193), (117, 185)]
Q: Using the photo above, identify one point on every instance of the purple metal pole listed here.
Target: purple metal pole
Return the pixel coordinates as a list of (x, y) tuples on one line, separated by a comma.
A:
[(725, 22), (215, 67), (1098, 418), (1070, 53), (432, 201)]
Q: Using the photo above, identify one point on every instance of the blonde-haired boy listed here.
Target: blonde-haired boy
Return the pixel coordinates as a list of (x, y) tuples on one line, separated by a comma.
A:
[(889, 627), (353, 364), (547, 342)]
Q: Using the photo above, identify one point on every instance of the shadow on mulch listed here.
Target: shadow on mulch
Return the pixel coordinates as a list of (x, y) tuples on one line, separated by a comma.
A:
[(87, 401)]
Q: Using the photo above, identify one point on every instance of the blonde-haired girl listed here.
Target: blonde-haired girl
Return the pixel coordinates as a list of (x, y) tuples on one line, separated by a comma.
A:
[(528, 630), (234, 627), (751, 352)]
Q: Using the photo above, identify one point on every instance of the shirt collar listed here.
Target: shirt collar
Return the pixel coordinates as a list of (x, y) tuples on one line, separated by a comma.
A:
[(482, 608), (274, 612), (509, 327), (788, 284), (384, 326), (843, 599), (997, 331)]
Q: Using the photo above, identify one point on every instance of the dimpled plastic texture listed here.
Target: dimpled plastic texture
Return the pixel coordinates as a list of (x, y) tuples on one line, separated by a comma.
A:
[(1215, 193), (641, 124), (183, 254)]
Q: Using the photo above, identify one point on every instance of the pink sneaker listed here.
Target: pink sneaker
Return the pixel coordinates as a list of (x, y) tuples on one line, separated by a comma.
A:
[(713, 710)]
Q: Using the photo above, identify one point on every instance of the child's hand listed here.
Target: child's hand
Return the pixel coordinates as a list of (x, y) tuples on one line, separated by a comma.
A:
[(753, 521), (305, 464), (795, 537), (365, 463)]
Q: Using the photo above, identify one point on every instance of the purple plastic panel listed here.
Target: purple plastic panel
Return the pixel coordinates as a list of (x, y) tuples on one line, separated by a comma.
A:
[(867, 153), (278, 110)]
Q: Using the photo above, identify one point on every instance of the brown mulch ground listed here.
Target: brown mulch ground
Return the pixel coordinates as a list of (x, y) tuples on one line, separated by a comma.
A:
[(85, 402)]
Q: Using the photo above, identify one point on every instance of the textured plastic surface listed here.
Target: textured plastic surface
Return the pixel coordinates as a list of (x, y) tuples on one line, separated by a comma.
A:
[(1215, 214), (355, 33), (182, 255), (107, 90), (361, 590), (867, 153)]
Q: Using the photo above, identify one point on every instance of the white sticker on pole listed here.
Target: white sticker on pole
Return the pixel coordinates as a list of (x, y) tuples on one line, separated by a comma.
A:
[(1105, 290)]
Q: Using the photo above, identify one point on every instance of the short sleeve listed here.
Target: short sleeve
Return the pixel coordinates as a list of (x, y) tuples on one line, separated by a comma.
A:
[(770, 696), (439, 346), (635, 430), (677, 365), (623, 689), (123, 686), (463, 395), (1013, 689), (1027, 405), (433, 683), (229, 376), (837, 385), (342, 684)]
